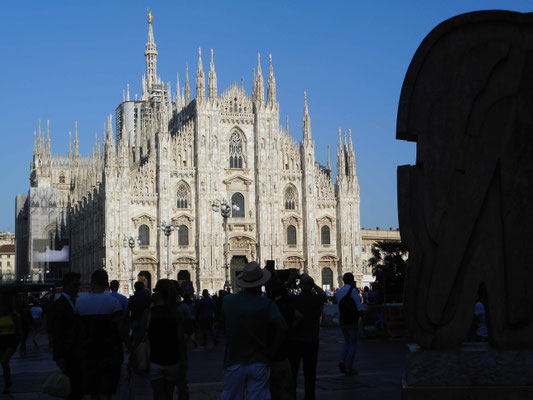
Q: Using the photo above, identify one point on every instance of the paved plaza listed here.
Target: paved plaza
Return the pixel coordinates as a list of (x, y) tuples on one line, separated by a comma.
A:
[(380, 363)]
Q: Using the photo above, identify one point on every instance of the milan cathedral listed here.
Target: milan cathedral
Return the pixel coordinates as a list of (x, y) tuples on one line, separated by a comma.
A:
[(168, 159)]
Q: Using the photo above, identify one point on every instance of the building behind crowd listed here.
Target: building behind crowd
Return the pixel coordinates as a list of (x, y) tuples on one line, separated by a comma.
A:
[(7, 263), (369, 237), (169, 158)]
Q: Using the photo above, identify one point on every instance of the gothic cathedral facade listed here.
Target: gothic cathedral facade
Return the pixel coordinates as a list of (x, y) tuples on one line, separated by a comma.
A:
[(171, 157)]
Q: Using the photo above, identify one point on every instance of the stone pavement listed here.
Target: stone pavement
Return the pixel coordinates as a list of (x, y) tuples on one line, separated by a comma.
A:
[(380, 363)]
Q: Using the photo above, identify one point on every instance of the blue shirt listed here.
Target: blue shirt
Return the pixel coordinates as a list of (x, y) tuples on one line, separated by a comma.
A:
[(123, 300), (97, 304), (248, 319)]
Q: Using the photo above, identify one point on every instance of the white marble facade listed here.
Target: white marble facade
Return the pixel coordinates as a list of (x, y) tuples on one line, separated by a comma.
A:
[(171, 157)]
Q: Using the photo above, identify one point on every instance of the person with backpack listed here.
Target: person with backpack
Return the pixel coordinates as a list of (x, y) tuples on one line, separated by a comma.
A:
[(349, 306)]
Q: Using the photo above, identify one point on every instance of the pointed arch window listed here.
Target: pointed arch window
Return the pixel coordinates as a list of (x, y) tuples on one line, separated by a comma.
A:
[(291, 198), (237, 200), (291, 235), (144, 235), (236, 150), (183, 235), (62, 178), (184, 196), (325, 236)]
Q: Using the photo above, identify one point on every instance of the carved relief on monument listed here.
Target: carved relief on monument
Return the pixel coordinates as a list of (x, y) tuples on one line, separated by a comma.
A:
[(465, 207)]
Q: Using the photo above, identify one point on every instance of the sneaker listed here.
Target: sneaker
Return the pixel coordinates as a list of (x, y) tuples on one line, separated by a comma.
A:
[(352, 372), (342, 367)]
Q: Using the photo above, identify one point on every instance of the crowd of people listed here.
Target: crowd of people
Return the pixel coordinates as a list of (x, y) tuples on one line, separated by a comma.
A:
[(268, 333)]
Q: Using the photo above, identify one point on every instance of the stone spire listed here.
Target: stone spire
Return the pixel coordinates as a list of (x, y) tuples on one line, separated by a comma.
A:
[(341, 165), (306, 120), (329, 160), (76, 142), (258, 95), (70, 144), (178, 97), (212, 80), (351, 155), (187, 94), (48, 136), (271, 90), (200, 78), (110, 142), (39, 141), (287, 126), (151, 55)]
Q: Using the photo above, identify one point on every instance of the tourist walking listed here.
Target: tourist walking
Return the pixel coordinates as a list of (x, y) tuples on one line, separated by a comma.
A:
[(164, 322), (10, 336), (137, 303), (349, 306), (206, 310), (102, 334), (304, 336), (36, 322), (250, 321), (123, 300), (64, 335)]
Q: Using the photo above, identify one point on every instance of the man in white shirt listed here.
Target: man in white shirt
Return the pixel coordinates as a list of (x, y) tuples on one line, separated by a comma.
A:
[(348, 323)]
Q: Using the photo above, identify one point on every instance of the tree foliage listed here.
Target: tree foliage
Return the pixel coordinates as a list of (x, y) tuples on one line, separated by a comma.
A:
[(388, 262)]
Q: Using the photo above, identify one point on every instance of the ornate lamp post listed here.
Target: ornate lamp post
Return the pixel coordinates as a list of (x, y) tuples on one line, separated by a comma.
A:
[(225, 211), (131, 242), (167, 230)]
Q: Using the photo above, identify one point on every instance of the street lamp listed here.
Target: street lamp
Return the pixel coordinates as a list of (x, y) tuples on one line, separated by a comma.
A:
[(131, 242), (225, 211), (167, 230)]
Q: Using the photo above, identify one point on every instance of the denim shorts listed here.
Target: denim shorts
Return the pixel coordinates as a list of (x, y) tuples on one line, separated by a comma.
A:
[(246, 382)]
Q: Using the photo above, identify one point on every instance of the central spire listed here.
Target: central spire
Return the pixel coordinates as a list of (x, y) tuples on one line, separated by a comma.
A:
[(151, 54)]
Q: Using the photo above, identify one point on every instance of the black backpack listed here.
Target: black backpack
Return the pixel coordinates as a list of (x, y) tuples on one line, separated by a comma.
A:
[(349, 313)]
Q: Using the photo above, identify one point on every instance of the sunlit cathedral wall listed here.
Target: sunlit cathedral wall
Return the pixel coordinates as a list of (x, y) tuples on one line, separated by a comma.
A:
[(171, 157)]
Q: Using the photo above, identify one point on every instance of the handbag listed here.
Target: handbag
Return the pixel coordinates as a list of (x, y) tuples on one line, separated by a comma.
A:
[(140, 357), (57, 385)]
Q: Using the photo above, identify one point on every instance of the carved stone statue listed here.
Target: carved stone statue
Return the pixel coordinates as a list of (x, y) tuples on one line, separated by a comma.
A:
[(466, 207)]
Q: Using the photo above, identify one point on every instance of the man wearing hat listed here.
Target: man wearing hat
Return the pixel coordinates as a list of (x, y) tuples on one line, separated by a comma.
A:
[(249, 317)]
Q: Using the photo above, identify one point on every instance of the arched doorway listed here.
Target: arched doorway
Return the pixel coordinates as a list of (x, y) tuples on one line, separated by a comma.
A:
[(327, 278), (184, 275), (236, 266)]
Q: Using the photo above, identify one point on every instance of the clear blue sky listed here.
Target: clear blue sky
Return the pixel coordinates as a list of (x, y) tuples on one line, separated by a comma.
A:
[(67, 61)]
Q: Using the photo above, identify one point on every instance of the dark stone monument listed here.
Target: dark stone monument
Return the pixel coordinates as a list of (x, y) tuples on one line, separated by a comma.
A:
[(466, 207)]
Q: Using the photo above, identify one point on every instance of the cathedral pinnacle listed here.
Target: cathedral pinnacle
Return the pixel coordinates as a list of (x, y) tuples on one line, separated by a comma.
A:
[(200, 78), (187, 94), (329, 160), (306, 120), (259, 85), (76, 142), (341, 164), (48, 136), (212, 79), (271, 90), (70, 144)]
